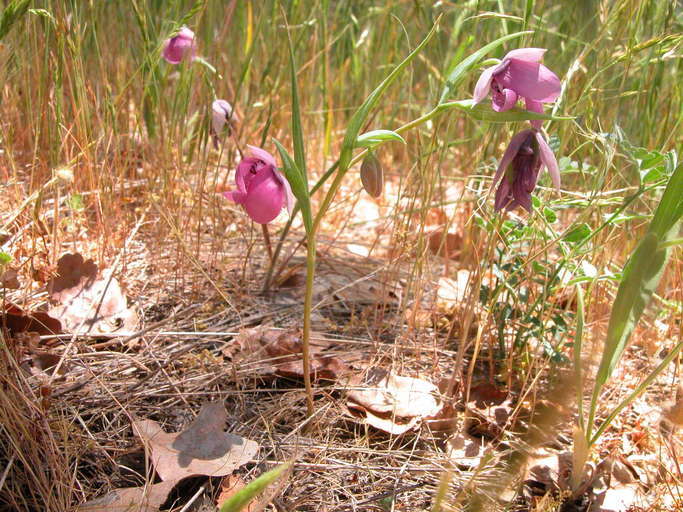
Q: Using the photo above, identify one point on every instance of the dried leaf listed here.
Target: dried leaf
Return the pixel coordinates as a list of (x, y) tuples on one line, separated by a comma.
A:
[(466, 450), (202, 449), (403, 401), (9, 279), (452, 292), (446, 245), (282, 351), (17, 320), (87, 303), (131, 499)]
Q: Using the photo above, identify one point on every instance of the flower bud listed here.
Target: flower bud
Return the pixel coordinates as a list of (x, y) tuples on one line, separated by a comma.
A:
[(372, 175)]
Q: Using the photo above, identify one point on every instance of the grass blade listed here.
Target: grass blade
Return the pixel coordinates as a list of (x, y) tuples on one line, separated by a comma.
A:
[(244, 496), (11, 14)]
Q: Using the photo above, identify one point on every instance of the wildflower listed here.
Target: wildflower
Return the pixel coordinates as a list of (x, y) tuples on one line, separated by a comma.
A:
[(180, 46), (519, 75), (222, 114), (261, 189), (527, 152)]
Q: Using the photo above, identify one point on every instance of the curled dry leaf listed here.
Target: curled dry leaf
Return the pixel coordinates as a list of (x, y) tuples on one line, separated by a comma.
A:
[(10, 279), (18, 321), (391, 402), (202, 449), (488, 410), (281, 353), (467, 451), (131, 499), (87, 303)]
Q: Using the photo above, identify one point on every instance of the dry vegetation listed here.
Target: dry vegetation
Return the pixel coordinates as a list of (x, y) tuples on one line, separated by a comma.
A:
[(105, 152)]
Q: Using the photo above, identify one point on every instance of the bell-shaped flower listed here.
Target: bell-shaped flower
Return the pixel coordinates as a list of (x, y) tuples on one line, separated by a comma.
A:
[(518, 171), (222, 114), (261, 188), (519, 75), (180, 46)]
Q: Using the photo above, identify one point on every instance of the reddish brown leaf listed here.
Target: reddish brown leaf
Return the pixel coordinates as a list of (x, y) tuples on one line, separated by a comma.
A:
[(131, 499), (17, 320)]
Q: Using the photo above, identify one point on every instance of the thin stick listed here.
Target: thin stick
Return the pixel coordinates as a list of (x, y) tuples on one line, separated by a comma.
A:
[(266, 239)]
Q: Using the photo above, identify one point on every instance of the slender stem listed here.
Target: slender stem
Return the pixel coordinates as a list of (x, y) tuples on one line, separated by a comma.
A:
[(308, 306), (266, 239)]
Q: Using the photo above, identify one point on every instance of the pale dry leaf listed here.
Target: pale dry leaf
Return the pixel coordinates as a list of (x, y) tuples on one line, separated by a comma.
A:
[(466, 450), (86, 303), (202, 449), (131, 499), (452, 292), (401, 400)]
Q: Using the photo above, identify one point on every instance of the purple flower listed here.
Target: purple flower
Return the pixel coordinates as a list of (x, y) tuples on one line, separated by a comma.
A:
[(261, 189), (180, 46), (519, 75), (527, 152)]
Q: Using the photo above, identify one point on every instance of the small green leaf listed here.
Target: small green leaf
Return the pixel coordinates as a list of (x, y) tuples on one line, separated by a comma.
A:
[(76, 202), (577, 234), (549, 215), (374, 138), (5, 258), (244, 496)]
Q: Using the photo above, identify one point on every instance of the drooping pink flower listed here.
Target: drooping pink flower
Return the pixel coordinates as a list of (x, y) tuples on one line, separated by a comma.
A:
[(261, 188), (180, 46), (518, 171), (519, 75)]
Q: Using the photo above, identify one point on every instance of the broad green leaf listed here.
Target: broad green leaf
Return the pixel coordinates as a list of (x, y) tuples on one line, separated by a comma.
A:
[(299, 186), (244, 496), (374, 138), (640, 278), (460, 71), (356, 122), (577, 234), (297, 131), (484, 112)]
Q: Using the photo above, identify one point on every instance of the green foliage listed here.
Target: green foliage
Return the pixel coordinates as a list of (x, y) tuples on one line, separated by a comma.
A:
[(244, 496)]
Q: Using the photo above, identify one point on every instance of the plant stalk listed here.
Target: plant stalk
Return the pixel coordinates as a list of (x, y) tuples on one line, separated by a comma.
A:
[(308, 306)]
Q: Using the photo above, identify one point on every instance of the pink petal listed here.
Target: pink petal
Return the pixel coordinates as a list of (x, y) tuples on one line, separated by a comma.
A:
[(265, 198), (290, 200), (510, 153), (527, 54), (481, 90), (504, 101), (235, 195), (534, 106), (262, 154), (548, 159), (530, 80)]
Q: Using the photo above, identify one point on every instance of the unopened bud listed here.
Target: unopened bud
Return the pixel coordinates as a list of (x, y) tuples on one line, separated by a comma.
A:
[(372, 175)]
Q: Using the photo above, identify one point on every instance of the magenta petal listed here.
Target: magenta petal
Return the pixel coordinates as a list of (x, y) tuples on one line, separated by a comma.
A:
[(235, 195), (534, 106), (530, 80), (483, 86), (290, 200), (504, 100), (548, 159), (265, 199), (503, 195), (179, 46), (263, 155), (527, 54), (510, 153)]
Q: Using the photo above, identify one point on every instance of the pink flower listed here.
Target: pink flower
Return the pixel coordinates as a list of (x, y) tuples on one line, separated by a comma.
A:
[(527, 152), (261, 189), (519, 75), (180, 46)]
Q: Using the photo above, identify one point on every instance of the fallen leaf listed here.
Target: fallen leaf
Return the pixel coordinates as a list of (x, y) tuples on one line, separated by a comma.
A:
[(466, 450), (202, 449), (446, 245), (282, 353), (393, 403), (17, 321), (10, 279), (131, 499), (488, 410), (87, 303), (452, 292)]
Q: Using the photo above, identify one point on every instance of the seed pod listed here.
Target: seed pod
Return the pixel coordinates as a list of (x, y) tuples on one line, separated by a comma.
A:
[(372, 175)]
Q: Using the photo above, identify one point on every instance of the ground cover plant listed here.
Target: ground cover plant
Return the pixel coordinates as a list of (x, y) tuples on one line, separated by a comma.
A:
[(340, 255)]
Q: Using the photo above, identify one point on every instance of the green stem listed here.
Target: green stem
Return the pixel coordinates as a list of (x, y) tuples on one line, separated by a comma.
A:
[(308, 306)]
